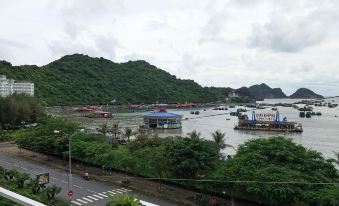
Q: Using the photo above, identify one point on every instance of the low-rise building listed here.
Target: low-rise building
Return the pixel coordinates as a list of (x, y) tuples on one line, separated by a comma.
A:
[(9, 87)]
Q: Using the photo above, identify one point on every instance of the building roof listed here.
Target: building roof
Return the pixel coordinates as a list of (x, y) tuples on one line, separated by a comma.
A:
[(161, 114)]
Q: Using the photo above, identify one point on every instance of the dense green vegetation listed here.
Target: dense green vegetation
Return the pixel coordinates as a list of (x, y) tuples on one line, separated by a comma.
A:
[(124, 200), (272, 171), (80, 79), (19, 111), (23, 184), (7, 202)]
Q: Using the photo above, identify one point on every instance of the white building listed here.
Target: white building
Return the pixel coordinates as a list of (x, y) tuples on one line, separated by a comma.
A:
[(9, 87), (233, 94)]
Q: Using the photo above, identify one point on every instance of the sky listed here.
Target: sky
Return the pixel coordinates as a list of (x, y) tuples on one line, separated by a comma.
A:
[(224, 43)]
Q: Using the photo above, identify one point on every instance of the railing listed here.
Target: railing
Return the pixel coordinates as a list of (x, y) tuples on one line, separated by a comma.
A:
[(22, 200)]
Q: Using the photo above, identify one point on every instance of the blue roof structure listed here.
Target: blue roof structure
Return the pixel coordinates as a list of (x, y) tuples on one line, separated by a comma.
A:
[(161, 114)]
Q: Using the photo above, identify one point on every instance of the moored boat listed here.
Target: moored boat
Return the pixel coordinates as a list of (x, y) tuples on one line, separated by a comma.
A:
[(267, 122)]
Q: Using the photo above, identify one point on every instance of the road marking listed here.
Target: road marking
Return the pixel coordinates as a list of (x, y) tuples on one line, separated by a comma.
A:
[(80, 200), (98, 196), (63, 181), (93, 198), (118, 192), (147, 203), (89, 200), (121, 190), (102, 194), (75, 202), (126, 189), (78, 186), (111, 192)]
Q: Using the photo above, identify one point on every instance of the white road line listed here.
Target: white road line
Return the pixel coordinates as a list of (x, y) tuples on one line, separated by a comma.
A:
[(111, 192), (63, 181), (119, 192), (75, 202), (93, 198), (80, 200), (89, 200), (126, 189), (78, 186), (102, 194), (98, 196), (147, 203)]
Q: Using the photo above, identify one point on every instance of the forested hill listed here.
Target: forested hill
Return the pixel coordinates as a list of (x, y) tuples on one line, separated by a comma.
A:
[(80, 79)]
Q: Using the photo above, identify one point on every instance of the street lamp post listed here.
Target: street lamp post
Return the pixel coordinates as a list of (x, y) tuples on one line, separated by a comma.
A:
[(70, 191)]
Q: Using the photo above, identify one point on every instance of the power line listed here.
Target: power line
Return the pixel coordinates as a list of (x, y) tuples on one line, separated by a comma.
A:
[(248, 181)]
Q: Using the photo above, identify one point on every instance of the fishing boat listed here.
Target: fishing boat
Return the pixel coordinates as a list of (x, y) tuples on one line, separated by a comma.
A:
[(267, 122)]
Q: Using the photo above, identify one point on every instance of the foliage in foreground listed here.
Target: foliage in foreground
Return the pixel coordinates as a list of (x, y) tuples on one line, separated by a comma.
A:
[(23, 184), (124, 200), (283, 173)]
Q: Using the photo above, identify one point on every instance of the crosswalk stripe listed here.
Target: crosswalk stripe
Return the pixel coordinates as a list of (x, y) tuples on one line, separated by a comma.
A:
[(80, 200), (124, 189), (121, 190), (75, 202), (93, 198), (118, 192), (102, 195), (89, 200), (98, 196), (111, 192)]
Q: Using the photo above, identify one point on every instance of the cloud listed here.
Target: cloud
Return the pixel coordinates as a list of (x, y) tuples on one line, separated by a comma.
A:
[(212, 30), (291, 34)]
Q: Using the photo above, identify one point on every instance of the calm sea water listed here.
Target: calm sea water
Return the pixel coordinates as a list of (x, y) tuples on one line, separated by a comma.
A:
[(321, 133)]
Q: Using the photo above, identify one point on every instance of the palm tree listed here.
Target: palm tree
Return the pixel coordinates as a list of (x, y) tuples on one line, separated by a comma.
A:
[(219, 139), (195, 135), (128, 133), (115, 129)]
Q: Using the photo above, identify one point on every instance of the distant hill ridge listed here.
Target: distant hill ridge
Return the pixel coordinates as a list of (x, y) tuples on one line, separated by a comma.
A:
[(80, 79), (263, 91)]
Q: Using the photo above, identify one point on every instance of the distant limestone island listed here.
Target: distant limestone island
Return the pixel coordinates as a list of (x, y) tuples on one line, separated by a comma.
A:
[(263, 91), (81, 80)]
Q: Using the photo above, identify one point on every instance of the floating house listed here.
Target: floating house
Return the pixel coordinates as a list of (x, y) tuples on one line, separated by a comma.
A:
[(162, 120), (267, 122)]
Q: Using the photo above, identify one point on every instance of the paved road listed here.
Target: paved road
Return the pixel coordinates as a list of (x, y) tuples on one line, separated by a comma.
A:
[(85, 192)]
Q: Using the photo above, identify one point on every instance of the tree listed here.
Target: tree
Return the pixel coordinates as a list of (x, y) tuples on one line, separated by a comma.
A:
[(195, 135), (268, 161), (128, 133), (191, 156), (52, 191), (219, 139), (21, 178), (124, 200), (115, 129)]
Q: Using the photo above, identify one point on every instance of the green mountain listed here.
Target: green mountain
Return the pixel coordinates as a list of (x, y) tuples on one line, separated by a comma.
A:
[(261, 91), (80, 79), (304, 93)]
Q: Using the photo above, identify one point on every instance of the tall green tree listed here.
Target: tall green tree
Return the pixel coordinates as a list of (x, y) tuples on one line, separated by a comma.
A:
[(128, 133), (192, 156)]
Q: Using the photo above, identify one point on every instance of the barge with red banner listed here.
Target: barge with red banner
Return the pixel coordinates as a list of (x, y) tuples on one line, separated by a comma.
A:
[(267, 122)]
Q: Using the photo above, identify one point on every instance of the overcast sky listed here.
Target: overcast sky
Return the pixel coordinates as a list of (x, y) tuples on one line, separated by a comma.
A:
[(286, 43)]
